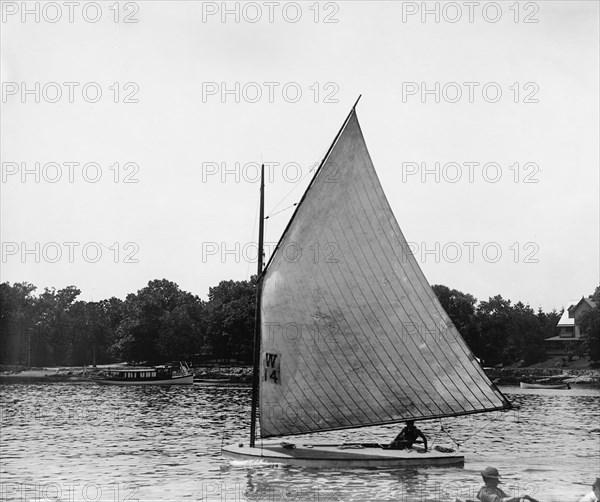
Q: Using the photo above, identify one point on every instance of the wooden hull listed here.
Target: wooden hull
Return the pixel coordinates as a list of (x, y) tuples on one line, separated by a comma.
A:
[(334, 456), (178, 380), (525, 385)]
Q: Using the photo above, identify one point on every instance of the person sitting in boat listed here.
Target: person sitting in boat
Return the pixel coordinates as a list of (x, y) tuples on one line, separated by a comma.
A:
[(594, 495), (491, 493), (407, 437)]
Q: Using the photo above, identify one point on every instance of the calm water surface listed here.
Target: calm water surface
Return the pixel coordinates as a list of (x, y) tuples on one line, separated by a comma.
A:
[(72, 442)]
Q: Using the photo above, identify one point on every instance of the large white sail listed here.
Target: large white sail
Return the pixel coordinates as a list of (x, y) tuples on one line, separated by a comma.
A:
[(352, 333)]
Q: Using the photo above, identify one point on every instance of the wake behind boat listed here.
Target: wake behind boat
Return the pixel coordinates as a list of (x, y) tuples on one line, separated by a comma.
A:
[(348, 331), (152, 375)]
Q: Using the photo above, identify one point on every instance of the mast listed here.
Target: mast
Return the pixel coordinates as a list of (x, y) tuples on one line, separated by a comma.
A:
[(257, 334)]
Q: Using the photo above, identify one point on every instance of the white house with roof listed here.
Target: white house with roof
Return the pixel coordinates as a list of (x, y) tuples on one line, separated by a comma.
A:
[(569, 335)]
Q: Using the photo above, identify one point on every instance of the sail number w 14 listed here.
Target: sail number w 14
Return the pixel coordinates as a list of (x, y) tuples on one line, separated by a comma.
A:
[(272, 368)]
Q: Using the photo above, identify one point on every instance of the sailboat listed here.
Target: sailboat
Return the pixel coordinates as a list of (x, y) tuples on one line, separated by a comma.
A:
[(349, 333)]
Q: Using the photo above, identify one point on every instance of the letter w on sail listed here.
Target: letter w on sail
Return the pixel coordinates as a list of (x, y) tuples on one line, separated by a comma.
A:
[(272, 368)]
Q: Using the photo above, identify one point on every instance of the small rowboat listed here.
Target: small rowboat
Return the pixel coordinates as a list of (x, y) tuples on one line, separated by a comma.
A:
[(525, 385)]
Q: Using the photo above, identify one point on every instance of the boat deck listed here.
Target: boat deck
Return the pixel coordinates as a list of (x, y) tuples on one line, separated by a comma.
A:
[(328, 455)]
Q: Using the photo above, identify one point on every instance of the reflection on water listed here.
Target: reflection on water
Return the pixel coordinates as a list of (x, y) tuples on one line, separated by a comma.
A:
[(65, 442)]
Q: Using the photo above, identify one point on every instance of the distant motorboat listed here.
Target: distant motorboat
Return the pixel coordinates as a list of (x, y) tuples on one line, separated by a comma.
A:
[(525, 385), (152, 375)]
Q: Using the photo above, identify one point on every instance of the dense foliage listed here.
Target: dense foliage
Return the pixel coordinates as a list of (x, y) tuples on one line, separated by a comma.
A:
[(161, 323), (497, 331), (590, 329)]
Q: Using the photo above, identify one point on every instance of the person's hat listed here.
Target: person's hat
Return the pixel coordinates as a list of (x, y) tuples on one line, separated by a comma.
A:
[(490, 472)]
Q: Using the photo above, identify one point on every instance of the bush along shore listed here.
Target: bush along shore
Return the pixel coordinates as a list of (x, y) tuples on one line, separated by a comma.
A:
[(9, 374)]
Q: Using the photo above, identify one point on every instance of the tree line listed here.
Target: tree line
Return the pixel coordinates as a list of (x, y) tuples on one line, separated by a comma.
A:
[(162, 323)]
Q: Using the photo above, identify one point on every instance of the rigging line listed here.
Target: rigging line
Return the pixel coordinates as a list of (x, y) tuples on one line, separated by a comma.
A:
[(281, 210), (311, 170), (445, 432), (479, 430), (451, 438), (296, 184), (472, 435), (436, 435)]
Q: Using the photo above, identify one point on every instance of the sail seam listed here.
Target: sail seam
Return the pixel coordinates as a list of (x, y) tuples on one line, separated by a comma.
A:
[(374, 184), (418, 274), (416, 313), (308, 366), (409, 352), (285, 398), (441, 312), (382, 329), (366, 354), (323, 278)]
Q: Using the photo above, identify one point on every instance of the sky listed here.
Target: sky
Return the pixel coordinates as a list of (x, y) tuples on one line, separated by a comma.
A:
[(131, 133)]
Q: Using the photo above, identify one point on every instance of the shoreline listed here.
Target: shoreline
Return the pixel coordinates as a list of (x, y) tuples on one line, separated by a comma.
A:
[(512, 376), (241, 374), (228, 374)]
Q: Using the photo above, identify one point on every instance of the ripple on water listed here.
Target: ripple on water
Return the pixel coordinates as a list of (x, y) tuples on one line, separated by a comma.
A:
[(163, 443)]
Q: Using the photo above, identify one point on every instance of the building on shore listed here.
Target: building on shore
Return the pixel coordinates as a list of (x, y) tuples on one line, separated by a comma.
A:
[(569, 336)]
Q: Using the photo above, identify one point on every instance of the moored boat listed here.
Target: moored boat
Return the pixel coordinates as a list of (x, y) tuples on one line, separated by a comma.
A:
[(213, 381), (149, 375), (354, 335), (526, 385)]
